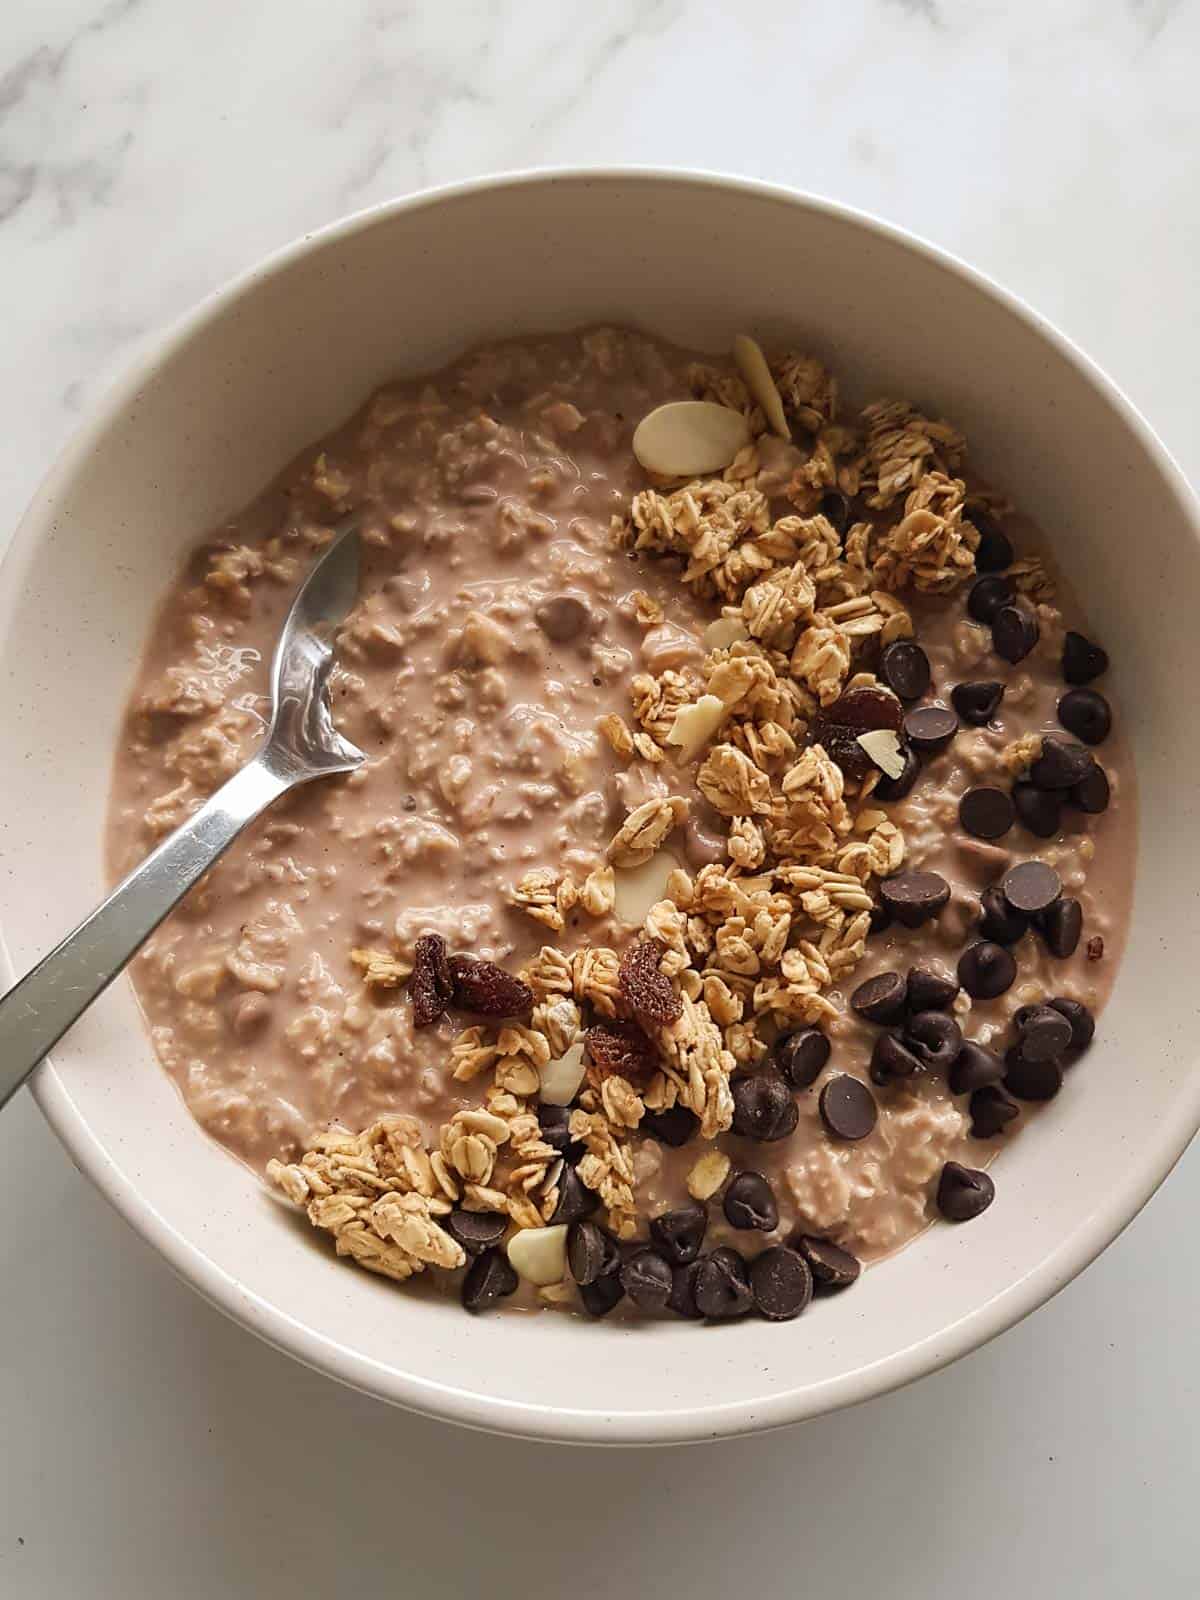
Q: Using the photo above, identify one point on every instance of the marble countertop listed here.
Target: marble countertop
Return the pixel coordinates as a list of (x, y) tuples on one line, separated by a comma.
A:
[(149, 149)]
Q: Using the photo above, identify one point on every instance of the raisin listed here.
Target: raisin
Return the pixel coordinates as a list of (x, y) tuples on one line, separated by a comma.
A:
[(486, 989), (649, 996), (430, 985), (856, 711), (620, 1047)]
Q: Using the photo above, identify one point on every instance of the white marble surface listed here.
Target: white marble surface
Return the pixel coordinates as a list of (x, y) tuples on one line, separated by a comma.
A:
[(148, 149)]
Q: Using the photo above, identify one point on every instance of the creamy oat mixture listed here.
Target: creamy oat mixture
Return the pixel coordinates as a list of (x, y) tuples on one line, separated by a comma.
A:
[(612, 714)]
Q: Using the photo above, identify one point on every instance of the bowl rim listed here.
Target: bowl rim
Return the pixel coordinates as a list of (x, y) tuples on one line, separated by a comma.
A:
[(235, 1298)]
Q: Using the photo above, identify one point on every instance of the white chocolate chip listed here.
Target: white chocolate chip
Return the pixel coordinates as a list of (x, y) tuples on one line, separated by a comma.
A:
[(688, 438), (719, 635), (539, 1255), (560, 1079), (636, 889), (753, 366), (707, 1176), (883, 747), (695, 725)]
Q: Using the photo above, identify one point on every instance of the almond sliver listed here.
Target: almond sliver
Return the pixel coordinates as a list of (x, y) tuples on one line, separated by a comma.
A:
[(753, 366), (688, 438), (883, 747)]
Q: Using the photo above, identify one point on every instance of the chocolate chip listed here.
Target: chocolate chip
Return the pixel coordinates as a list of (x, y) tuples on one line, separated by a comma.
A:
[(682, 1299), (977, 702), (889, 788), (986, 813), (722, 1287), (647, 1279), (930, 728), (591, 1252), (601, 1297), (998, 921), (1083, 1023), (928, 990), (1039, 809), (800, 1056), (673, 1127), (962, 1192), (835, 508), (891, 1059), (476, 1230), (994, 551), (1061, 764), (914, 897), (1031, 1080), (847, 1107), (781, 1283), (975, 1067), (1015, 631), (1060, 926), (831, 1266), (988, 594), (879, 918), (992, 1109), (763, 1107), (883, 999), (1086, 714), (986, 970), (563, 617), (490, 1277), (1042, 1032), (1091, 793), (1082, 660), (750, 1203), (575, 1199), (1031, 886), (680, 1233), (934, 1038), (554, 1122), (904, 667)]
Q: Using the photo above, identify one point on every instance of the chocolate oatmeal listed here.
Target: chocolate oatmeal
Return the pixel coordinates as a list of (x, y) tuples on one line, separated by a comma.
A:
[(742, 853)]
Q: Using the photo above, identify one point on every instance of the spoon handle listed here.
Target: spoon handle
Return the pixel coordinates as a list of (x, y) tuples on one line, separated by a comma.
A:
[(37, 1011)]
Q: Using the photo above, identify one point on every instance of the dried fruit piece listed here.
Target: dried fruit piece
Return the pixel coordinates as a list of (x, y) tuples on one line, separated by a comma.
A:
[(752, 365), (620, 1047), (690, 438), (486, 989), (854, 712), (649, 995), (430, 986)]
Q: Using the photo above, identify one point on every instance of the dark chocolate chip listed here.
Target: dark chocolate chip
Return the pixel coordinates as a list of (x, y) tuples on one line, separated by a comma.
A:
[(934, 1038), (834, 506), (682, 1299), (673, 1127), (883, 999), (1039, 809), (476, 1230), (1031, 1080), (992, 1109), (930, 728), (962, 1192), (1061, 764), (722, 1287), (591, 1252), (750, 1203), (1031, 886), (680, 1233), (781, 1282), (891, 1059), (986, 970), (904, 667), (490, 1277), (1083, 1023), (977, 702), (1091, 793), (847, 1107), (1082, 660), (1042, 1032), (879, 918), (1086, 714), (975, 1067), (763, 1107), (986, 813), (914, 897), (997, 919), (575, 1199), (994, 551), (889, 788), (1015, 631), (989, 594), (831, 1266), (800, 1056), (647, 1279), (600, 1297), (1060, 925), (554, 1122), (929, 990)]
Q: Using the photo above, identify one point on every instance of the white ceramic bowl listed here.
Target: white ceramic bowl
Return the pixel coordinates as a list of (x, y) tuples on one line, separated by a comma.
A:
[(277, 358)]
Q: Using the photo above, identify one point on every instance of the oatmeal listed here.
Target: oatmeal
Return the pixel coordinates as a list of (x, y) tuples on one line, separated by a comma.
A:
[(732, 868)]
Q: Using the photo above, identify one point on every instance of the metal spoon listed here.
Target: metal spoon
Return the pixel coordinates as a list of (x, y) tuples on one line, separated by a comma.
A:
[(301, 744)]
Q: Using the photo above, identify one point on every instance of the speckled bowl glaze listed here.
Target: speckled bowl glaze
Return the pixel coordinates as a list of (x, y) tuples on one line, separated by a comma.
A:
[(283, 354)]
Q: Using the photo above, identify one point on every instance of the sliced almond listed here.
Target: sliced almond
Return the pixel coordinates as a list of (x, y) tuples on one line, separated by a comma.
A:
[(707, 1176), (560, 1079), (639, 888), (883, 747), (695, 725), (719, 635), (539, 1255), (753, 366), (687, 438)]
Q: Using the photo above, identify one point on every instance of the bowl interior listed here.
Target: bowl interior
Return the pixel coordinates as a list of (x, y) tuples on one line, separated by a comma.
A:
[(289, 351)]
